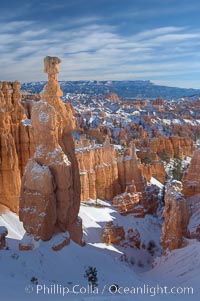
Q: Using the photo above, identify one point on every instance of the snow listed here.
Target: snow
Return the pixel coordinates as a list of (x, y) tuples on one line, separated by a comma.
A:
[(181, 266), (12, 223), (43, 117), (56, 155), (67, 266), (26, 122), (28, 240), (154, 181), (198, 142), (167, 121), (57, 239)]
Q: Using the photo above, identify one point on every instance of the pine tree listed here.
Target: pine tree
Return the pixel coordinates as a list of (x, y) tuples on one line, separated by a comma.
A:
[(91, 275), (177, 171)]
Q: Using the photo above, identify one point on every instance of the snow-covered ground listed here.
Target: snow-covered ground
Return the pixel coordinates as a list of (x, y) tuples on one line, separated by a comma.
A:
[(66, 268), (180, 267)]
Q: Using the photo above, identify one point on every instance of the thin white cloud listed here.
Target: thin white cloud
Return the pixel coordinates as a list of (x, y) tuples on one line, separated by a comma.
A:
[(97, 51), (168, 38), (158, 32), (14, 25)]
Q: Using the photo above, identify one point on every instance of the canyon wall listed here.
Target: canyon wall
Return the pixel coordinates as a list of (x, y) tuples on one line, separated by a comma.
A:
[(15, 146), (105, 173), (98, 171), (166, 147), (109, 174)]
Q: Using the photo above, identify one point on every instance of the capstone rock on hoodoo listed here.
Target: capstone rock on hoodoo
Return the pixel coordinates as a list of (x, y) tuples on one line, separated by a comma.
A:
[(67, 125), (50, 202)]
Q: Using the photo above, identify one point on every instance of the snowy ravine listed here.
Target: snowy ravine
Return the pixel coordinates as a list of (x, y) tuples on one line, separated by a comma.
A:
[(66, 268)]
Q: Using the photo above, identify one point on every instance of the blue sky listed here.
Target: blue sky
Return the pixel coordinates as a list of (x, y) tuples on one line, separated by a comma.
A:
[(157, 40)]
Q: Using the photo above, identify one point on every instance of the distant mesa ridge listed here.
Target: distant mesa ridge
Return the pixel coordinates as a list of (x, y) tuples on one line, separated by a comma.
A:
[(125, 89)]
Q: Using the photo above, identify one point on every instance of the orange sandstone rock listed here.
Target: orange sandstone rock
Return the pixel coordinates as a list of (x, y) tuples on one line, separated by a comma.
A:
[(129, 169), (11, 114), (60, 241), (113, 97), (176, 217), (27, 243), (191, 178), (158, 102), (50, 195), (67, 125), (146, 171), (112, 234), (98, 172), (133, 237), (10, 180), (194, 224), (128, 202)]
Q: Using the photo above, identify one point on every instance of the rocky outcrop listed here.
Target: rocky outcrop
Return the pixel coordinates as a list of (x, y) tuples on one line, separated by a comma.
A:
[(28, 105), (167, 147), (98, 172), (107, 174), (13, 147), (38, 208), (3, 234), (133, 238), (10, 180), (97, 133), (191, 178), (124, 136), (176, 217), (152, 166), (20, 130), (158, 149), (194, 224), (67, 125), (146, 171), (113, 97), (149, 199), (50, 198), (158, 170), (129, 169), (128, 202), (27, 243), (182, 146), (139, 204), (158, 102), (60, 241), (112, 234), (160, 146)]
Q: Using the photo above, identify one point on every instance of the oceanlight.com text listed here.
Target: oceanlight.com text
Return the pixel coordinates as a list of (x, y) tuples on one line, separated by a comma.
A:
[(109, 289)]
